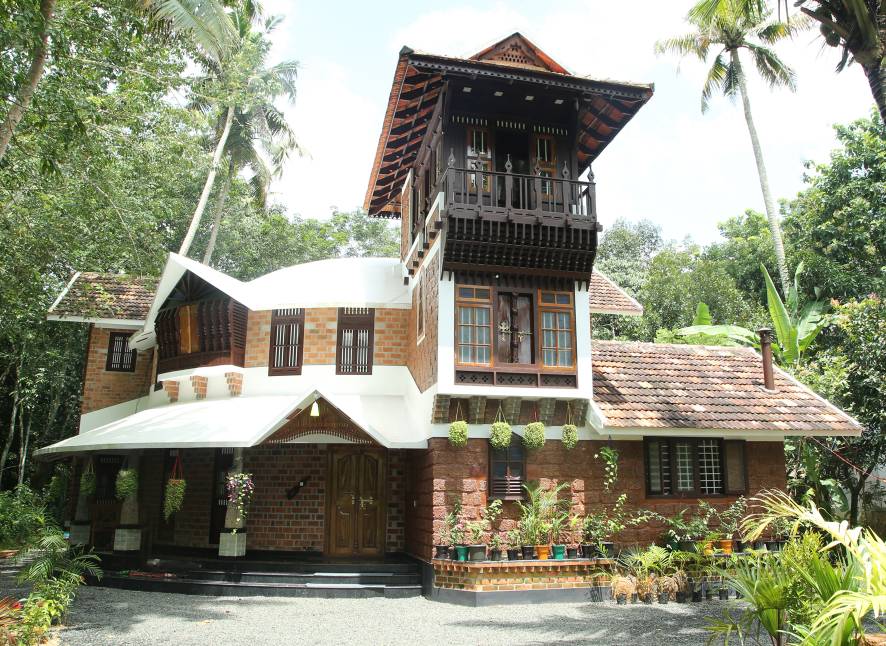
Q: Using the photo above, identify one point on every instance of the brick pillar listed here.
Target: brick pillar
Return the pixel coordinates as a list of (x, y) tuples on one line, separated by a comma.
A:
[(232, 544), (81, 525), (128, 536)]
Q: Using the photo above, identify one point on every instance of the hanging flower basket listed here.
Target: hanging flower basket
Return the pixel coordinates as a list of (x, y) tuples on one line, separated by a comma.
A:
[(127, 483), (175, 490), (87, 480), (500, 437), (239, 488), (570, 436), (534, 435), (458, 430)]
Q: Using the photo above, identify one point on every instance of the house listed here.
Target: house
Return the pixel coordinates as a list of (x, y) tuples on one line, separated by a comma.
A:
[(334, 383)]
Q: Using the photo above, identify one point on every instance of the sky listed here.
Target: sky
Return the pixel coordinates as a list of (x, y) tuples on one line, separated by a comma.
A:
[(684, 170)]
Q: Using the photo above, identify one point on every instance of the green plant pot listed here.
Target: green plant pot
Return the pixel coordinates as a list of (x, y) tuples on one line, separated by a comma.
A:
[(461, 552), (559, 552)]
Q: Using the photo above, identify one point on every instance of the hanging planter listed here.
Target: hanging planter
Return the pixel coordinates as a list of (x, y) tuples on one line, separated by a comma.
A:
[(127, 483), (175, 490), (500, 437), (570, 431), (87, 480), (534, 435), (458, 430), (239, 488)]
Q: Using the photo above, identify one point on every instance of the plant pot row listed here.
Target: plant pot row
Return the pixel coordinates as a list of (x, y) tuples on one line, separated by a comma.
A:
[(696, 596), (526, 552), (729, 546)]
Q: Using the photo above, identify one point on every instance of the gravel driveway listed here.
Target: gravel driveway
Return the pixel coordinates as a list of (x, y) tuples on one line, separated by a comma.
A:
[(106, 616)]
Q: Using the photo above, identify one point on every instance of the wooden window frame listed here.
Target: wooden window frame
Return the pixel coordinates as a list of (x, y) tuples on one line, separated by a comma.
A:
[(278, 318), (356, 320), (133, 354), (548, 166), (479, 161), (473, 303), (508, 461), (695, 492), (569, 308), (420, 309)]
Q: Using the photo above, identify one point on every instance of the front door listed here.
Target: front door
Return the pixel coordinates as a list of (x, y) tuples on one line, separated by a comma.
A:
[(356, 507)]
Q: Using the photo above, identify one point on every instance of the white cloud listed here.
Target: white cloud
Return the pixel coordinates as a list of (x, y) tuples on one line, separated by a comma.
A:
[(671, 164)]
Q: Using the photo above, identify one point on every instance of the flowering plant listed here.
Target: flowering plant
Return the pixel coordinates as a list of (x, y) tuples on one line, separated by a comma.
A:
[(239, 488), (610, 466)]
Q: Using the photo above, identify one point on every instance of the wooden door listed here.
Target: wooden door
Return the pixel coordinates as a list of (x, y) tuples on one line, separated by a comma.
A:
[(514, 329), (356, 518)]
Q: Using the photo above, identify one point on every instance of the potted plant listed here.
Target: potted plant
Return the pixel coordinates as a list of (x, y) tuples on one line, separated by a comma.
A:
[(558, 524), (574, 537), (570, 436), (609, 456), (622, 588), (457, 538), (239, 488), (599, 527), (781, 529), (127, 483), (645, 566), (514, 542), (444, 538), (684, 533), (458, 434), (730, 520), (534, 435), (500, 435), (495, 543), (87, 480), (477, 528), (537, 514), (174, 495)]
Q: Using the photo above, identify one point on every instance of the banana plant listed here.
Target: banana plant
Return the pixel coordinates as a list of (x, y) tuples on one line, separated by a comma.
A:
[(795, 327)]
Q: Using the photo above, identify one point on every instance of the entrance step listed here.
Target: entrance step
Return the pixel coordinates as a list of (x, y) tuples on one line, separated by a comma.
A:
[(309, 578)]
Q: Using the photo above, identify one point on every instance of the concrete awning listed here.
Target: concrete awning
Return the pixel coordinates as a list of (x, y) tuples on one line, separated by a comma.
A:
[(239, 422)]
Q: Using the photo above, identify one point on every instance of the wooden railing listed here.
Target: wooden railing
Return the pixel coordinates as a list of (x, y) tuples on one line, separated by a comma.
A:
[(515, 194)]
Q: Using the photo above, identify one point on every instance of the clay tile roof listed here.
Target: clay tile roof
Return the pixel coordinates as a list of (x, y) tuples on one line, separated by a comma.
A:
[(608, 298), (91, 296), (661, 386)]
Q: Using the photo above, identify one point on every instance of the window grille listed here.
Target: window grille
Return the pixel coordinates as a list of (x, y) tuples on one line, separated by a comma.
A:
[(120, 357), (287, 344), (355, 340)]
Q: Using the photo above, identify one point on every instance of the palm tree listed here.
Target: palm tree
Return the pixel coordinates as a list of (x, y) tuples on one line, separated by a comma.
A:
[(249, 126), (257, 132), (732, 26), (204, 21)]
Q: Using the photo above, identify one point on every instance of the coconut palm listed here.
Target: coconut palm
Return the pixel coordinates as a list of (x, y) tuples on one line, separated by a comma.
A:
[(248, 127), (205, 22), (260, 140), (732, 26)]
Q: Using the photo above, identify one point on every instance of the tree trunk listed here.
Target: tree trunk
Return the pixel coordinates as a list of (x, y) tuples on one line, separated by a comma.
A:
[(24, 436), (877, 80), (854, 496), (11, 434), (771, 214), (207, 187), (218, 209), (35, 72)]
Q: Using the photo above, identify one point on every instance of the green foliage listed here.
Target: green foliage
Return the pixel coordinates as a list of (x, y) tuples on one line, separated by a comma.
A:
[(458, 434), (88, 483), (607, 522), (609, 456), (173, 497), (450, 522), (695, 527), (570, 436), (500, 435), (837, 226), (542, 509), (534, 435), (746, 242), (476, 529), (22, 517), (127, 484)]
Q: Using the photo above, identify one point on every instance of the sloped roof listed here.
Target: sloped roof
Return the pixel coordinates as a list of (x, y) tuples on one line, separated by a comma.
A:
[(608, 298), (92, 296), (518, 51), (662, 386)]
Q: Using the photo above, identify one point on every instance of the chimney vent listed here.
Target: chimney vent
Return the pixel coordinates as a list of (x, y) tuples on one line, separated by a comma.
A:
[(766, 350)]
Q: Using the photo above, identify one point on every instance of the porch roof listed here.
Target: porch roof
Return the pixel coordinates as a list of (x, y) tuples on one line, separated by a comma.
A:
[(240, 422)]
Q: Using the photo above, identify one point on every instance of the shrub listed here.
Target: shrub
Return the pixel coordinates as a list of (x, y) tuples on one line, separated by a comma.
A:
[(534, 435), (127, 483), (570, 436), (87, 483), (22, 516), (458, 434), (500, 438)]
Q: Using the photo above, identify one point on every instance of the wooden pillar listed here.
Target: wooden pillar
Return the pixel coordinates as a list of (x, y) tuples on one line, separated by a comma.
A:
[(128, 535), (232, 540)]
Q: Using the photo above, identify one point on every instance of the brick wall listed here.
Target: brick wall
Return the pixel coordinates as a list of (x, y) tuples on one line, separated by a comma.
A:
[(102, 388), (441, 474), (391, 335), (258, 339), (422, 355), (321, 325)]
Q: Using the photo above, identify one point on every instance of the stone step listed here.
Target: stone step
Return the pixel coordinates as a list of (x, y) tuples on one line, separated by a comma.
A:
[(317, 577), (324, 590)]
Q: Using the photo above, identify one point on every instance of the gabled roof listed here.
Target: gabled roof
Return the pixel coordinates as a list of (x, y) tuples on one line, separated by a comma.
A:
[(518, 51), (647, 386), (605, 107), (112, 299), (608, 298)]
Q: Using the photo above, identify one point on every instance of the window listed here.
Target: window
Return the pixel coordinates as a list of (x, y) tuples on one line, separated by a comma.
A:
[(507, 472), (106, 469), (557, 329), (474, 325), (694, 467), (355, 340), (120, 357), (546, 159), (479, 157), (287, 341)]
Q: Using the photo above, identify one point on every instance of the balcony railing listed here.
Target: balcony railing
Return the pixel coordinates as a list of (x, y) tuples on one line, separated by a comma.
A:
[(513, 194)]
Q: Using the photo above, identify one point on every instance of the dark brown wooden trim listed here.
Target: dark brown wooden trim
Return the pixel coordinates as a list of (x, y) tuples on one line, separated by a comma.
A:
[(672, 460), (364, 320), (112, 339), (491, 479), (286, 319)]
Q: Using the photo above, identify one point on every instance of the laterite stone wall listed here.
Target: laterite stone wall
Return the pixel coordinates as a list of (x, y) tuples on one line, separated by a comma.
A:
[(102, 388)]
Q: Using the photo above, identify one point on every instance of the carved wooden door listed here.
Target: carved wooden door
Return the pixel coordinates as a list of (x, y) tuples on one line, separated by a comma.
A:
[(356, 510), (514, 338)]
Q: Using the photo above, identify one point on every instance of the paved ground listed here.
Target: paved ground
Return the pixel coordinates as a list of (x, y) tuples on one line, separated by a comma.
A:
[(121, 617)]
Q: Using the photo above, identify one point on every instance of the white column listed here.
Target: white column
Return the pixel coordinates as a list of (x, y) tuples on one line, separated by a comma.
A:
[(128, 536), (233, 544)]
